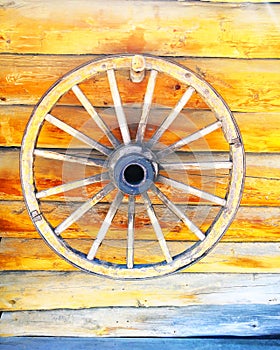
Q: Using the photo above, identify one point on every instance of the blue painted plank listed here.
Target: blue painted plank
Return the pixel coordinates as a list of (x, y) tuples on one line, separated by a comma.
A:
[(193, 321), (47, 343)]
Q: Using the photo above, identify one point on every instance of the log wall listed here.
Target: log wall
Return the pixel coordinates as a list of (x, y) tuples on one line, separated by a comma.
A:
[(235, 46)]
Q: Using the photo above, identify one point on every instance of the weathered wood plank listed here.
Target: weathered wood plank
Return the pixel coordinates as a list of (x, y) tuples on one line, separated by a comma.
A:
[(263, 172), (175, 28), (44, 290), (50, 173), (260, 131), (246, 85), (57, 343), (233, 320), (252, 224), (242, 1), (52, 137), (28, 254)]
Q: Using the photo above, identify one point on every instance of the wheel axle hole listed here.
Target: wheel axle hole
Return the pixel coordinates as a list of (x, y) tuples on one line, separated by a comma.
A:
[(134, 174)]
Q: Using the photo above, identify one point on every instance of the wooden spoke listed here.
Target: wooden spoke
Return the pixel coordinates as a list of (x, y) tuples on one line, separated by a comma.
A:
[(67, 158), (172, 116), (156, 227), (196, 166), (118, 106), (188, 139), (130, 233), (146, 106), (95, 116), (77, 134), (192, 190), (177, 211), (105, 225), (77, 214), (72, 185)]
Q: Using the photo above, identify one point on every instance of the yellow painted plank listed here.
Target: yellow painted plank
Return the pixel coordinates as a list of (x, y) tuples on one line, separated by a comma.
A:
[(170, 28), (28, 254), (260, 131), (46, 290), (49, 173), (246, 85), (260, 224)]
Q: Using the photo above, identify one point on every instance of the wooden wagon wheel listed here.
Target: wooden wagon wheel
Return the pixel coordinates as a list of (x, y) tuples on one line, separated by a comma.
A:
[(133, 169)]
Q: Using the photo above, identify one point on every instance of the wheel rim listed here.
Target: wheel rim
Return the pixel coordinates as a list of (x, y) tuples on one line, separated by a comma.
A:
[(133, 167)]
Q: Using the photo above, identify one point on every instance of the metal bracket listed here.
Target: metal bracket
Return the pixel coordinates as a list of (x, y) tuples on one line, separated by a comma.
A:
[(137, 71), (36, 216), (236, 142)]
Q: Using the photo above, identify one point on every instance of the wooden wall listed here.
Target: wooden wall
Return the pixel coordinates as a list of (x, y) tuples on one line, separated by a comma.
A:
[(235, 289)]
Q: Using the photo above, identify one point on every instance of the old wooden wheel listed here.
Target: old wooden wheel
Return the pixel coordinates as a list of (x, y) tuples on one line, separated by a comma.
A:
[(136, 167)]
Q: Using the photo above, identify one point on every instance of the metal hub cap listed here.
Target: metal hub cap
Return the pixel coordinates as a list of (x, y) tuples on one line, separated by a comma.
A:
[(134, 174), (147, 190), (133, 169)]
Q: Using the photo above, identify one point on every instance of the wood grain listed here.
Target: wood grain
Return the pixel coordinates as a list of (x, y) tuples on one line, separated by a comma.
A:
[(261, 184), (190, 321), (76, 290), (28, 254), (260, 131), (243, 1), (50, 173), (175, 28), (252, 224), (246, 85), (234, 290)]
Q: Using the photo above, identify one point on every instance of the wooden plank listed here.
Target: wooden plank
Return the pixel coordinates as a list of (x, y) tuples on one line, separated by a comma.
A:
[(263, 172), (53, 137), (242, 1), (44, 290), (246, 85), (252, 224), (50, 173), (28, 254), (260, 131), (56, 343), (191, 321), (175, 28)]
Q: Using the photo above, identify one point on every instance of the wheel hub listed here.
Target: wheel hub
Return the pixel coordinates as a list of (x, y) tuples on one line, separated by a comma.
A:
[(134, 174), (133, 169)]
